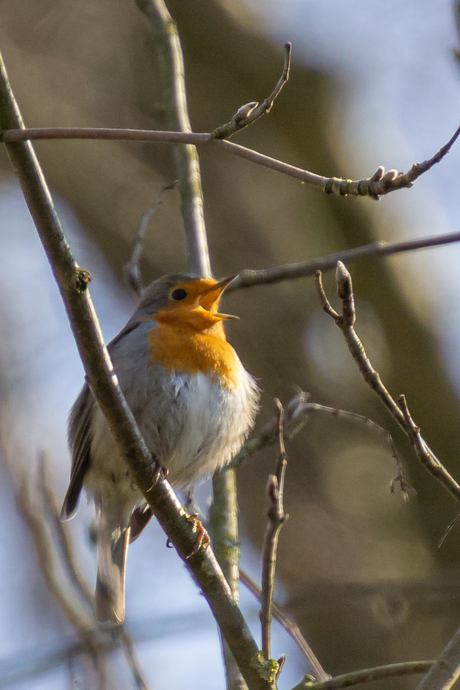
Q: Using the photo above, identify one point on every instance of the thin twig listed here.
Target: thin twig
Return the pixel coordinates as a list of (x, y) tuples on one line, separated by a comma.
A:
[(171, 63), (347, 680), (130, 654), (290, 627), (446, 669), (400, 478), (267, 276), (251, 112), (131, 269), (448, 530), (73, 283), (379, 184), (46, 554), (399, 410), (65, 544), (296, 415), (276, 519)]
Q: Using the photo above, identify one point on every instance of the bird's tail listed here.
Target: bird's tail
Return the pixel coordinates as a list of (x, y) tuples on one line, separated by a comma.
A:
[(112, 548)]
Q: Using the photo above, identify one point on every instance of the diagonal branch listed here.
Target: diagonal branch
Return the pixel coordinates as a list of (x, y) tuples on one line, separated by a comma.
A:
[(381, 183), (73, 282), (446, 669), (296, 415), (398, 409)]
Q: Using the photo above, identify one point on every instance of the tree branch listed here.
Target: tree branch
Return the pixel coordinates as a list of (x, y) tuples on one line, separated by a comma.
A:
[(289, 626), (188, 167), (379, 184), (276, 519), (73, 283), (251, 112), (296, 415), (399, 410), (446, 669), (347, 680), (131, 269), (267, 276), (225, 537)]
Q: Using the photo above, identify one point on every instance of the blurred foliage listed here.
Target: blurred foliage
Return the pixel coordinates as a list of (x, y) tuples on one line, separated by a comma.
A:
[(361, 569)]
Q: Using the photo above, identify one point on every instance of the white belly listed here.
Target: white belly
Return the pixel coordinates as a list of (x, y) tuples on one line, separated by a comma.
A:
[(191, 424)]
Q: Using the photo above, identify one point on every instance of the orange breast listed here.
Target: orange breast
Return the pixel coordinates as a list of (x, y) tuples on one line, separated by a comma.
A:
[(184, 350)]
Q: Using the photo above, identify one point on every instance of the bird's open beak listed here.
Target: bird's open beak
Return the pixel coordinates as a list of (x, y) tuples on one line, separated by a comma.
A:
[(209, 299)]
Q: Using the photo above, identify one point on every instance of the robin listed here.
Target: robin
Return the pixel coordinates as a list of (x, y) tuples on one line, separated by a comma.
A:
[(194, 403)]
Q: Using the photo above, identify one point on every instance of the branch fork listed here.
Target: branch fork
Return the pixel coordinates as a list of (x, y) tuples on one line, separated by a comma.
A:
[(399, 410), (249, 113)]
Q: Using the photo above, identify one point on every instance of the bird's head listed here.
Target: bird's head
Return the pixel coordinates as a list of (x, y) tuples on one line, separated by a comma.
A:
[(186, 299)]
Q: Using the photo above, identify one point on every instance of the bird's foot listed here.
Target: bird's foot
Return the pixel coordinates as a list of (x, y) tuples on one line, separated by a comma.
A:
[(202, 539), (159, 474)]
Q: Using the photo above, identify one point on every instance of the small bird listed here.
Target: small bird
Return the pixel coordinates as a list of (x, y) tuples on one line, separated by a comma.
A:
[(193, 401)]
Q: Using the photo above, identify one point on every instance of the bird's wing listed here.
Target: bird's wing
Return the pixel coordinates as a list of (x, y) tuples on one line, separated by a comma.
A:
[(80, 436), (80, 433), (139, 520)]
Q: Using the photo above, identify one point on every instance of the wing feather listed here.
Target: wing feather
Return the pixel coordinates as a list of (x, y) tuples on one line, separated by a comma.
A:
[(80, 434)]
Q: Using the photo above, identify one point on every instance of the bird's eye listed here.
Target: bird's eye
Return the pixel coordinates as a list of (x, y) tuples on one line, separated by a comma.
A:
[(179, 294)]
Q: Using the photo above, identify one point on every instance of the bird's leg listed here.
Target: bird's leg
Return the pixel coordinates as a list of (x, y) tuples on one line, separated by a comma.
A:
[(189, 503), (202, 539), (159, 474)]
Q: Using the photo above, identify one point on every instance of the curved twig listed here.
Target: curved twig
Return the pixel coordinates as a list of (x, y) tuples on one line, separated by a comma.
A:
[(399, 409), (131, 269), (347, 680), (251, 112)]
